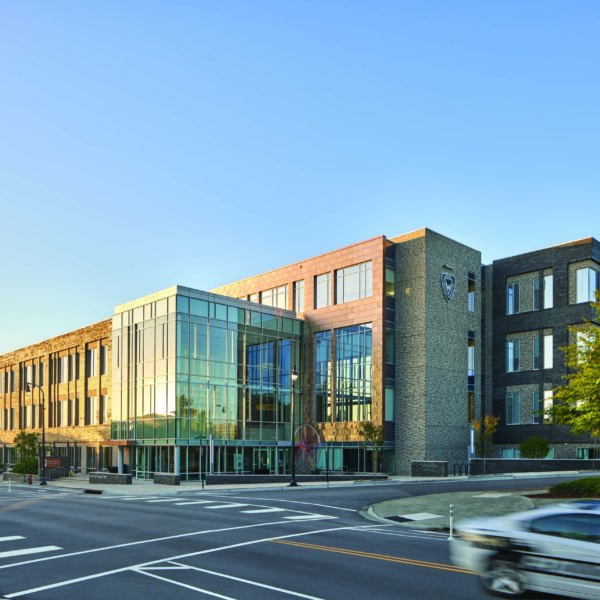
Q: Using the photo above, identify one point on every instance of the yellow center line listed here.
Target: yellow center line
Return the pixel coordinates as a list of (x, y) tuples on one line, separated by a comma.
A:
[(394, 559)]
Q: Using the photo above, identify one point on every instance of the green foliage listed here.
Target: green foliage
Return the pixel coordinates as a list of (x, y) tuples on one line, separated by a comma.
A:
[(28, 465), (373, 435), (577, 403), (588, 487), (534, 447), (2, 467), (484, 434), (26, 446)]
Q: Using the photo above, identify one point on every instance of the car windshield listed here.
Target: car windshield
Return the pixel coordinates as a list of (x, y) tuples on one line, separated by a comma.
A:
[(584, 527)]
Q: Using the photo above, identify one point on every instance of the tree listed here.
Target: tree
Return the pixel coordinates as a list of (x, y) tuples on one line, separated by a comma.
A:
[(484, 435), (534, 447), (26, 446), (577, 403), (373, 436)]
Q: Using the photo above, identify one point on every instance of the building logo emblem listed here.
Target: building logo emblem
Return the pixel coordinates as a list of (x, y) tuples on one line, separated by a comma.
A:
[(448, 285)]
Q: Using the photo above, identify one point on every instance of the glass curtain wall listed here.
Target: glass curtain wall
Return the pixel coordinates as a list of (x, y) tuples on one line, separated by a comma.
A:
[(200, 370)]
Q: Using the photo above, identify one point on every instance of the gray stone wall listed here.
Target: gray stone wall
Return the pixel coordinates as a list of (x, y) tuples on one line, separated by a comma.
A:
[(432, 338)]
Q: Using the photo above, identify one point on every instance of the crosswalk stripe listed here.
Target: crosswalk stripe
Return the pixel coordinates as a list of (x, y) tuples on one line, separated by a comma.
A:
[(24, 551), (163, 500), (10, 538), (232, 505), (308, 517), (195, 502), (263, 510), (137, 498)]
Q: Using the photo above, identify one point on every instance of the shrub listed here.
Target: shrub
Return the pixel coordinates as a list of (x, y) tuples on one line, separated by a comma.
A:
[(29, 465), (588, 487), (534, 447)]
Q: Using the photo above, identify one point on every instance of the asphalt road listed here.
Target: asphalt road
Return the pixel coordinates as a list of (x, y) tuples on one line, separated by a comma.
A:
[(297, 543)]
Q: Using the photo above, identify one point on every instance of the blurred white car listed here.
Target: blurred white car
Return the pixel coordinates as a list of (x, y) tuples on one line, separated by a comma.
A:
[(555, 550)]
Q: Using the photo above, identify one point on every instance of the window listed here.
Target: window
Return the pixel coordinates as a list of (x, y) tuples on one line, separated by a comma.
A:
[(253, 297), (390, 286), (28, 376), (63, 369), (91, 410), (510, 453), (536, 352), (512, 408), (90, 362), (103, 360), (513, 352), (323, 376), (537, 408), (588, 281), (73, 367), (581, 527), (276, 297), (103, 416), (471, 292), (390, 347), (470, 406), (323, 290), (353, 377), (548, 291), (536, 294), (471, 357), (353, 283), (547, 406), (512, 298), (589, 453), (548, 351), (63, 413), (299, 295)]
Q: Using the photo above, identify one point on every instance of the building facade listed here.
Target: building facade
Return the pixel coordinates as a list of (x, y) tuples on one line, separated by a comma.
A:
[(535, 299), (410, 333)]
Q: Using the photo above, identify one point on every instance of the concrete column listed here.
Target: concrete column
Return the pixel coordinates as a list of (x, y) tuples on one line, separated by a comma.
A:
[(83, 460), (177, 460), (120, 459)]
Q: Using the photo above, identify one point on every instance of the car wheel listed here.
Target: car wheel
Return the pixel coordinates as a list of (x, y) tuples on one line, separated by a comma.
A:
[(503, 579)]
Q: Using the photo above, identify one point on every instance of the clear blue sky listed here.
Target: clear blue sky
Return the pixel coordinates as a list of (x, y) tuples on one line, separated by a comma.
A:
[(144, 144)]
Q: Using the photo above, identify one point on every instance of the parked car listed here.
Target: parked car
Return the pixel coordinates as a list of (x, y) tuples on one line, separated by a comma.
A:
[(555, 550)]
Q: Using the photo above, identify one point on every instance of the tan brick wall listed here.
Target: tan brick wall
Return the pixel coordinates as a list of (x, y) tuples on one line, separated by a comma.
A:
[(76, 390)]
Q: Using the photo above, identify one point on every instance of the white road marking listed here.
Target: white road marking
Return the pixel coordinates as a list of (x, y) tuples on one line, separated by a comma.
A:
[(181, 584), (196, 502), (309, 517), (232, 505), (131, 498), (352, 510), (10, 538), (163, 500), (172, 558), (24, 551), (263, 510), (248, 581)]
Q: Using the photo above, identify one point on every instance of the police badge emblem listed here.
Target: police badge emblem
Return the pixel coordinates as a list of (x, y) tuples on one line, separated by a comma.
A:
[(448, 285)]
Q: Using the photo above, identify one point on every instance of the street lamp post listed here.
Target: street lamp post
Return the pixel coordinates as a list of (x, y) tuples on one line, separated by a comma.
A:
[(293, 427), (43, 474)]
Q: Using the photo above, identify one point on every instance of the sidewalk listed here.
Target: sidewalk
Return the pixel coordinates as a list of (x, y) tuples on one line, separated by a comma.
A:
[(419, 512)]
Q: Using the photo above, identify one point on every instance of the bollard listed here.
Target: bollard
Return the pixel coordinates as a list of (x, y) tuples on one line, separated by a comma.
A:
[(451, 536)]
